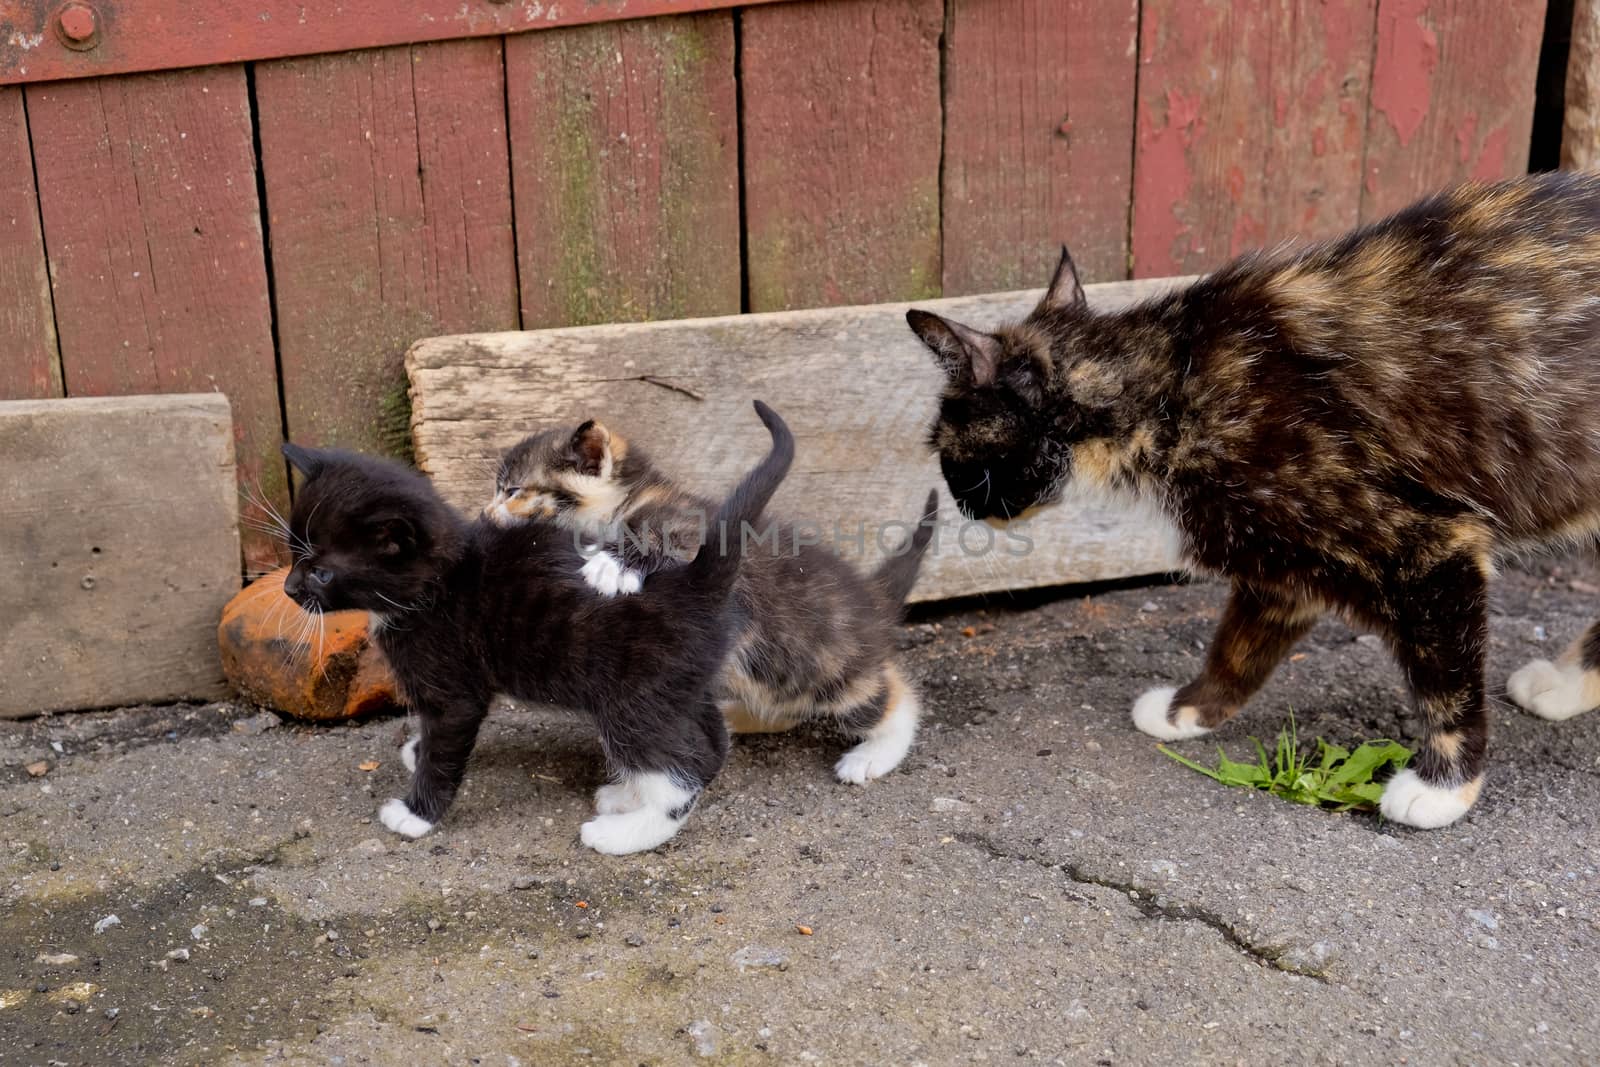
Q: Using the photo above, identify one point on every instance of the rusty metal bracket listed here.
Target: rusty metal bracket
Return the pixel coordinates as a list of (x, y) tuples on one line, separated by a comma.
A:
[(45, 40)]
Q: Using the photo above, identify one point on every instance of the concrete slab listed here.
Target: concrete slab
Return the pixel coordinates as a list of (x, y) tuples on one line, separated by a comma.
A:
[(1038, 884), (119, 546)]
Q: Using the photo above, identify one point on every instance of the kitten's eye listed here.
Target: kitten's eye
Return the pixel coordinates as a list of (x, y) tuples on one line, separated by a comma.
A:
[(512, 490), (321, 575)]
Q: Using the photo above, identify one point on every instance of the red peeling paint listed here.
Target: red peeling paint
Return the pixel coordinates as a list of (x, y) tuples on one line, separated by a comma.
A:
[(1236, 183), (1247, 233), (1354, 125), (1407, 56), (1319, 141), (1162, 182), (1467, 136), (1492, 160)]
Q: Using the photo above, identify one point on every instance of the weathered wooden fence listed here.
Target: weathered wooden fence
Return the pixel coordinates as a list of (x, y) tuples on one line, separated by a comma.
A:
[(280, 229)]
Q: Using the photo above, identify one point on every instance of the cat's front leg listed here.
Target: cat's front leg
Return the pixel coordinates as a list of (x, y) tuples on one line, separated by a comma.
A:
[(1440, 634), (437, 758), (1258, 628)]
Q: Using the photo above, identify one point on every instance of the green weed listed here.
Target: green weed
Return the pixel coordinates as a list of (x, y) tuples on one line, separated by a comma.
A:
[(1334, 777)]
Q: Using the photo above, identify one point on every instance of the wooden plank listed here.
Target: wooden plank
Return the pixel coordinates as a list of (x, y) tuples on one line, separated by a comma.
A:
[(145, 35), (1452, 96), (1580, 132), (30, 364), (856, 386), (114, 574), (1251, 120), (626, 170), (1038, 140), (148, 192), (841, 126), (389, 205)]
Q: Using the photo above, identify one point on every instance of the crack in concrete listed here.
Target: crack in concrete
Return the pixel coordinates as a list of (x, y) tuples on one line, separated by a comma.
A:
[(1148, 902)]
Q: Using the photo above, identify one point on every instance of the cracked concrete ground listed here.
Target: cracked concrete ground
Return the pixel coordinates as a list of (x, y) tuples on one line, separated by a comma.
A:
[(1036, 883)]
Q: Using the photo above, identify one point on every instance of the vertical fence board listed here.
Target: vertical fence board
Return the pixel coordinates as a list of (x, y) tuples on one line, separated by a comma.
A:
[(1452, 96), (842, 132), (626, 170), (1251, 126), (30, 364), (148, 194), (389, 211), (1038, 140)]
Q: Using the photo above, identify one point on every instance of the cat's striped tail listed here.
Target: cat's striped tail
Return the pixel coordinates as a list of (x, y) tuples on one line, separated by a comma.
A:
[(718, 559), (897, 575)]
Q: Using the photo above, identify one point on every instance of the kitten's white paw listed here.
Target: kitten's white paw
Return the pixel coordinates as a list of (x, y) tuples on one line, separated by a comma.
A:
[(1150, 715), (869, 760), (398, 817), (884, 746), (616, 798), (408, 754), (607, 576), (625, 832), (1410, 801), (1554, 691)]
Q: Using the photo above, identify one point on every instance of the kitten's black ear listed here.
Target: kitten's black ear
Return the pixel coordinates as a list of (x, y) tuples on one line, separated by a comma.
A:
[(307, 461), (394, 536), (1064, 294), (591, 448), (964, 353)]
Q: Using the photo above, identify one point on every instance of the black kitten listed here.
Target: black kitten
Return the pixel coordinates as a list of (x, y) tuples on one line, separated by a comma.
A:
[(464, 611)]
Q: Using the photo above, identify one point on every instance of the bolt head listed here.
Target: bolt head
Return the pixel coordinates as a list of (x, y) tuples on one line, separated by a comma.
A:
[(77, 22)]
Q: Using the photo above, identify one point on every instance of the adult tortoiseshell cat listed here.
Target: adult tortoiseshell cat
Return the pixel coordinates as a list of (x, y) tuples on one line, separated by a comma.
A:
[(815, 636), (1363, 425), (463, 611)]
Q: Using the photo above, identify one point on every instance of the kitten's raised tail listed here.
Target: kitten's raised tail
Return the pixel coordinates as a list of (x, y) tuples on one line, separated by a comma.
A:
[(718, 558), (898, 574)]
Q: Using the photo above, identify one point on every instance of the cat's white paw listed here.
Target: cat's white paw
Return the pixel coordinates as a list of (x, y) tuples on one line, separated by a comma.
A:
[(1150, 715), (662, 806), (885, 745), (1410, 801), (408, 754), (869, 760), (1554, 691), (606, 575), (616, 798), (625, 832), (397, 816)]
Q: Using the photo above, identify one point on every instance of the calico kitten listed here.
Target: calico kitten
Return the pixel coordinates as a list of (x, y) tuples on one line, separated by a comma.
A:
[(463, 611), (1362, 425), (816, 637)]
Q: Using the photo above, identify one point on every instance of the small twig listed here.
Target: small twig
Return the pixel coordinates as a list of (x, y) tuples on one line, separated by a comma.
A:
[(653, 380)]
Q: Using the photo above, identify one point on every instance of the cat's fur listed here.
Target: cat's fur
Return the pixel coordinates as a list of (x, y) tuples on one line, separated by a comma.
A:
[(463, 611), (1363, 426), (816, 637)]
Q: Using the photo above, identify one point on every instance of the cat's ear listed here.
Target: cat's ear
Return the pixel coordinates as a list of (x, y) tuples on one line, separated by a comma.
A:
[(964, 353), (393, 536), (591, 449), (307, 461), (1064, 293)]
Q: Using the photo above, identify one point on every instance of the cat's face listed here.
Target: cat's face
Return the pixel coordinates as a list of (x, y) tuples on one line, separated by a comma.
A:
[(992, 444), (566, 476), (1008, 416), (366, 534)]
